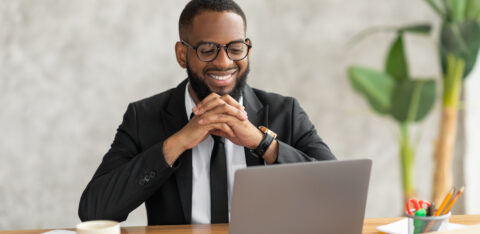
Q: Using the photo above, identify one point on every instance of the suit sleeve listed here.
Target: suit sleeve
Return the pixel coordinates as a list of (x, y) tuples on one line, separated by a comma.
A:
[(306, 145), (126, 177)]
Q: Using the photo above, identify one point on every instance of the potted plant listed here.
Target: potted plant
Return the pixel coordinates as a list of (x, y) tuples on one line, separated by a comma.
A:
[(394, 93), (459, 44)]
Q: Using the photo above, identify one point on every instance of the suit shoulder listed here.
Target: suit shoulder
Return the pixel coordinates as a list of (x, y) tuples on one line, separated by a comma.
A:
[(273, 99), (155, 102)]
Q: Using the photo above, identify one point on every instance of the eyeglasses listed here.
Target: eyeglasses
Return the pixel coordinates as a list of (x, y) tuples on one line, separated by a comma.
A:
[(208, 51)]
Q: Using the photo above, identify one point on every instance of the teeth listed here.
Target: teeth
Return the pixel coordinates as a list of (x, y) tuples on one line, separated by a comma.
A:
[(220, 77)]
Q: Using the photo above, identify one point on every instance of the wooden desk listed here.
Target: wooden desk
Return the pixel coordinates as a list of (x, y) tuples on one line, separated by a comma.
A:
[(368, 227)]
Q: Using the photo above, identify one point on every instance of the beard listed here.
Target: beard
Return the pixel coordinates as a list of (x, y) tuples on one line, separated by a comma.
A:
[(202, 90)]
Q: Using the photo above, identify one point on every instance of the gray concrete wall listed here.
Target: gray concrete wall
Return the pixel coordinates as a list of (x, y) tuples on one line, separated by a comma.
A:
[(68, 69)]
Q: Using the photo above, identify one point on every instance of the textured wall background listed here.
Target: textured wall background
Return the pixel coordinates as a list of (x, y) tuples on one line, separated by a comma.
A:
[(68, 69)]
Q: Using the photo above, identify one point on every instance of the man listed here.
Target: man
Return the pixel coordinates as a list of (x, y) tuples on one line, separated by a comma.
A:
[(177, 151)]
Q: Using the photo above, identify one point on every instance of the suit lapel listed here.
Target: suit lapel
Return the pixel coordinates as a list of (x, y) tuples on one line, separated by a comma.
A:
[(176, 119), (257, 115)]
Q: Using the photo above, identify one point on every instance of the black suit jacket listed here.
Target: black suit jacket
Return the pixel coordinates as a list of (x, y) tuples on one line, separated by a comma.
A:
[(134, 170)]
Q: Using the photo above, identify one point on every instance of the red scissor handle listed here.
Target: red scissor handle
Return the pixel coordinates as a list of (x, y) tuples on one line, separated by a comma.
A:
[(417, 205)]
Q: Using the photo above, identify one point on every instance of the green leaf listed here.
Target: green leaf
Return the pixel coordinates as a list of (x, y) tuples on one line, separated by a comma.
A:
[(473, 10), (448, 10), (458, 8), (463, 41), (422, 29), (437, 8), (396, 64), (377, 87), (413, 99), (417, 28)]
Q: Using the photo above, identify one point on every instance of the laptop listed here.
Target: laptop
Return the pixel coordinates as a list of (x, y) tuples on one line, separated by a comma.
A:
[(316, 197)]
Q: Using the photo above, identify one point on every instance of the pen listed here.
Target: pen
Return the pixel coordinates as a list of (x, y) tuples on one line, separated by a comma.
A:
[(431, 209)]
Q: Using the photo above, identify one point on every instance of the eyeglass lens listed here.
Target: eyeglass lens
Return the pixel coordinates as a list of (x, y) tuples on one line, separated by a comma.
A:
[(209, 51)]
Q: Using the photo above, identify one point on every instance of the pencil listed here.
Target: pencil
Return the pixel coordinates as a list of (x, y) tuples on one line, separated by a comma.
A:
[(444, 202), (440, 208), (454, 199)]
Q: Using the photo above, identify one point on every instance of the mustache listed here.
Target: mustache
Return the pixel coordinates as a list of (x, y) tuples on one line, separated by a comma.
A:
[(216, 69)]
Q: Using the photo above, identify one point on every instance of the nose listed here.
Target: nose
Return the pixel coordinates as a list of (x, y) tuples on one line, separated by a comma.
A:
[(222, 60)]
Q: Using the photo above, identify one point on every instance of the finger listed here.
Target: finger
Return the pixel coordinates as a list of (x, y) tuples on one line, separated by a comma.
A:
[(221, 111), (207, 105), (231, 101), (207, 99), (211, 119), (219, 118), (222, 127)]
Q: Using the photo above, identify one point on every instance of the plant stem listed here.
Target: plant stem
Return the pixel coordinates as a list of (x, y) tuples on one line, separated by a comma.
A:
[(445, 144), (452, 82), (407, 156)]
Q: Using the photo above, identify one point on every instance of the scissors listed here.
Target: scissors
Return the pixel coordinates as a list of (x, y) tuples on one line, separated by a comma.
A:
[(417, 205)]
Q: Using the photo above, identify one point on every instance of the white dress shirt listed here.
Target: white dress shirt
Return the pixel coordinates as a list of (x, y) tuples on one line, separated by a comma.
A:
[(201, 169)]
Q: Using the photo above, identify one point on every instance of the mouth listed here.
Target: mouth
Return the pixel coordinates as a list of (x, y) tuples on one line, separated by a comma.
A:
[(217, 77), (222, 78)]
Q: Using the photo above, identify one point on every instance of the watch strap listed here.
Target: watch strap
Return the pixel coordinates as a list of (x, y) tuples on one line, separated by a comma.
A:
[(264, 143)]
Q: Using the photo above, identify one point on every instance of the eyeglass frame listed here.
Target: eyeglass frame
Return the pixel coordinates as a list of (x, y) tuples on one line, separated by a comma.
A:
[(219, 46)]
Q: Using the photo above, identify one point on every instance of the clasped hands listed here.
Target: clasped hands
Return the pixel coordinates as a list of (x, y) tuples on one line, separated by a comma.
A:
[(221, 116), (217, 115)]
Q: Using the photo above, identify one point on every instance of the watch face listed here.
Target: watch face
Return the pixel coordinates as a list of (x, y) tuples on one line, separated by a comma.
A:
[(268, 131)]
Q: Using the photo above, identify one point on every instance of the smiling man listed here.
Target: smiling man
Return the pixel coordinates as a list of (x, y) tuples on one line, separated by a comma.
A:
[(177, 151)]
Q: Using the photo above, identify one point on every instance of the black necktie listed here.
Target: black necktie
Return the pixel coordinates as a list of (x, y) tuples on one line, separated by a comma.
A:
[(218, 182)]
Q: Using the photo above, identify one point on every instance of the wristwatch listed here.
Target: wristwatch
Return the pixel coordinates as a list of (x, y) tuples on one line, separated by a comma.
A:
[(268, 137)]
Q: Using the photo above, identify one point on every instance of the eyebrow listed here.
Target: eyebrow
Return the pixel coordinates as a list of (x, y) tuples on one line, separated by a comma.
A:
[(207, 42)]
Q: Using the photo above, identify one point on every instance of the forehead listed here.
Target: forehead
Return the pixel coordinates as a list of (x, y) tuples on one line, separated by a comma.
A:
[(219, 27)]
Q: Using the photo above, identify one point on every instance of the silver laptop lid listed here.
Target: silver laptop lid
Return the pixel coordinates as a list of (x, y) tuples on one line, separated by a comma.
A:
[(318, 197)]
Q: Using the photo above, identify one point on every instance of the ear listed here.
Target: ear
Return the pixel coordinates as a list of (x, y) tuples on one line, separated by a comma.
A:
[(181, 54), (249, 42)]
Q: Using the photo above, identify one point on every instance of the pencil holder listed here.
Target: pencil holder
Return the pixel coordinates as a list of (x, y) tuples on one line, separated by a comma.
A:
[(425, 224)]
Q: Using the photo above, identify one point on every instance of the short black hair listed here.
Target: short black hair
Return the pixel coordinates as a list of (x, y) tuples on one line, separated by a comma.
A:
[(195, 7)]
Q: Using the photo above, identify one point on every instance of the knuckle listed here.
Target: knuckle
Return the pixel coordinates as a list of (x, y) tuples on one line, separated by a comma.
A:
[(232, 110), (226, 97), (213, 95)]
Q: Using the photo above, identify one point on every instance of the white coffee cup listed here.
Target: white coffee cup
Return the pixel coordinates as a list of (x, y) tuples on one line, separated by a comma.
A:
[(98, 227)]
